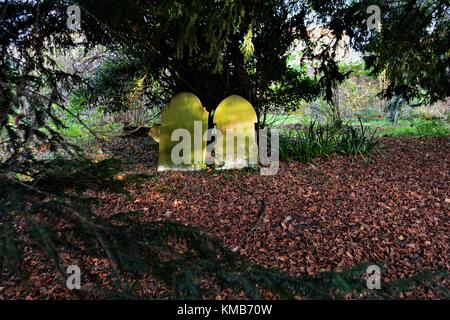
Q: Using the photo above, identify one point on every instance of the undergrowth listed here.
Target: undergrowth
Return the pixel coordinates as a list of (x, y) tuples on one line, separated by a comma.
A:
[(314, 140)]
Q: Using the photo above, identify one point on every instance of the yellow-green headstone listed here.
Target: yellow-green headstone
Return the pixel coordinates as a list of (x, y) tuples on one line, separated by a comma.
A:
[(154, 132), (236, 146), (185, 111)]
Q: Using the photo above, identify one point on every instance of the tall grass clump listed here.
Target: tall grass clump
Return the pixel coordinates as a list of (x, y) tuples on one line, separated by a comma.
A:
[(322, 140), (306, 143), (357, 140)]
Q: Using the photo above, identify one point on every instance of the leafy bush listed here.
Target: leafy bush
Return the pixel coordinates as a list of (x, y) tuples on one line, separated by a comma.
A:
[(316, 140), (438, 110), (435, 128), (422, 114), (369, 113)]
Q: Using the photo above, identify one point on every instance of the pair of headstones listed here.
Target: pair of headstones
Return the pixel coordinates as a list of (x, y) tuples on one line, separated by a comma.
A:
[(184, 134)]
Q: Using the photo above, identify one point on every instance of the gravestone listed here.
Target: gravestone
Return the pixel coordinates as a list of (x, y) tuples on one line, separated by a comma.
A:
[(154, 132), (184, 114), (236, 146)]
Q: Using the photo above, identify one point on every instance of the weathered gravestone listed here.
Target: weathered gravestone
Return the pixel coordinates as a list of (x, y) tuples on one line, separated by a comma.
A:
[(236, 146), (184, 121), (154, 132)]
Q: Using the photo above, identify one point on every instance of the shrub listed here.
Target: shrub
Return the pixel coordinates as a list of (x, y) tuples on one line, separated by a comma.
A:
[(315, 140), (447, 117), (369, 113), (422, 114), (433, 127), (306, 143), (357, 140)]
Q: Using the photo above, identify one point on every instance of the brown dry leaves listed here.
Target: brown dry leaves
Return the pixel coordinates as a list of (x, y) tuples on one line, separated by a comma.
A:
[(333, 216)]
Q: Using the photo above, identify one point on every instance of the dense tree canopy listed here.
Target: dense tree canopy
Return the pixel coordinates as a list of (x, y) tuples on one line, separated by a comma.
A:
[(210, 48), (412, 45)]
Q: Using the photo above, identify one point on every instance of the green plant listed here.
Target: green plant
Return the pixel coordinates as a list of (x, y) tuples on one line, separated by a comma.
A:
[(322, 140), (306, 144), (447, 117), (165, 188), (435, 128), (358, 140), (422, 114), (369, 113)]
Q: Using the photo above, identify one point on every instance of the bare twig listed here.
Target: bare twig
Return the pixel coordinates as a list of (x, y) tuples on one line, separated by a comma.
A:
[(262, 213)]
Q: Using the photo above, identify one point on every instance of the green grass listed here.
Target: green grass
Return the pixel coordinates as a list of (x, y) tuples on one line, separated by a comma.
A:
[(382, 123), (277, 120), (414, 128), (78, 135), (418, 128)]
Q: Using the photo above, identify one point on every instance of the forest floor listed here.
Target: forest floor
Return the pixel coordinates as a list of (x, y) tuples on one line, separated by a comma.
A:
[(309, 218)]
